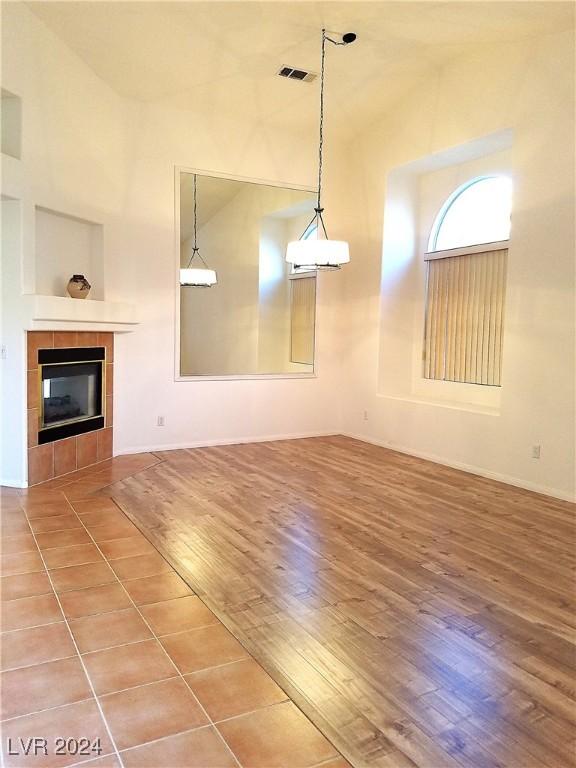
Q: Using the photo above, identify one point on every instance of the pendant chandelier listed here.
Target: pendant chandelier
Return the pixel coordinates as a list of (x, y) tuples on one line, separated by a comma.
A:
[(320, 252), (201, 276)]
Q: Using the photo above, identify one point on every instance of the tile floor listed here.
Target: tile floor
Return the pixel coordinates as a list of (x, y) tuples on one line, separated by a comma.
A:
[(102, 640)]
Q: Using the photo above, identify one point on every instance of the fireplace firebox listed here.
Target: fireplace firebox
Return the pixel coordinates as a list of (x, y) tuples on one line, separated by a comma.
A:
[(72, 387)]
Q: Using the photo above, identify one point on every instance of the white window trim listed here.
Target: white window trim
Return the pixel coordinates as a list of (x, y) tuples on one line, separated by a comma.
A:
[(301, 275), (499, 245)]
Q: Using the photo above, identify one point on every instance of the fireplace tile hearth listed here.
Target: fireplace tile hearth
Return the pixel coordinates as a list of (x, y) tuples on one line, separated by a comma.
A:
[(87, 449), (60, 457), (32, 384), (104, 440), (109, 410), (109, 379), (32, 427), (64, 456), (66, 339), (107, 340), (40, 463), (38, 340)]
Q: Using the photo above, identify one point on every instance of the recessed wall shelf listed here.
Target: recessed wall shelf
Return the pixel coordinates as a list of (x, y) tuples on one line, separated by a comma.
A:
[(67, 245)]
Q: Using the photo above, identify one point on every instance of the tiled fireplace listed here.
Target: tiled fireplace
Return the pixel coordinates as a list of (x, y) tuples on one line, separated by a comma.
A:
[(70, 404)]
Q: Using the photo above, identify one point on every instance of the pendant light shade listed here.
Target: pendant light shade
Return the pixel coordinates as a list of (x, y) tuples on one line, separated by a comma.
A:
[(197, 277), (200, 276), (320, 252)]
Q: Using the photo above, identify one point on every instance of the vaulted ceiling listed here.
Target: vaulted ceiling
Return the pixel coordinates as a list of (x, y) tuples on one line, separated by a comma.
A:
[(224, 56)]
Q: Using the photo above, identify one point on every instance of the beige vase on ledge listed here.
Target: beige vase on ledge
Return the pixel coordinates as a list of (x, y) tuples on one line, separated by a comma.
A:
[(78, 287)]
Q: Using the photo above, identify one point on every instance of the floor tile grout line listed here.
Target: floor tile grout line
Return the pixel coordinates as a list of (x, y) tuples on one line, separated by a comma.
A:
[(219, 666), (113, 581), (77, 565), (87, 762), (80, 589), (287, 700), (36, 663), (112, 740), (33, 626), (139, 685), (83, 589), (22, 573), (170, 736), (212, 721), (179, 674), (45, 709), (111, 647)]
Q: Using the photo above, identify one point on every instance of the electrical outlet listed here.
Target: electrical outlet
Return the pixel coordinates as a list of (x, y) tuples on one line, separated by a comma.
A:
[(160, 422), (3, 352), (365, 415), (536, 451)]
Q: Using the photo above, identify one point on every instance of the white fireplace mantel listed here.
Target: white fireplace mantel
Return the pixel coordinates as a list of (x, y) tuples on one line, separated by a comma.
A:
[(66, 314)]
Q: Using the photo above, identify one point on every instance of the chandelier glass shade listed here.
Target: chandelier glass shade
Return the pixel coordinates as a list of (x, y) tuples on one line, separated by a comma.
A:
[(317, 253), (200, 277)]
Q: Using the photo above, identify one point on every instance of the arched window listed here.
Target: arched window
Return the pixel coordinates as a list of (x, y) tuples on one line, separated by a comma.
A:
[(466, 284), (477, 212)]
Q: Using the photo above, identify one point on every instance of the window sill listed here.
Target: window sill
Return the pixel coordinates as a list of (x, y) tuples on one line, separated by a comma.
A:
[(465, 250), (484, 410)]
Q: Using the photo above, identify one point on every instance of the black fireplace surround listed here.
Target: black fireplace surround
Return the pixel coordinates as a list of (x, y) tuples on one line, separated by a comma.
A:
[(72, 386)]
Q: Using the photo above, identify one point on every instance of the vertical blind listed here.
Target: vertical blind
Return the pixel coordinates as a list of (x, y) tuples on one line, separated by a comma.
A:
[(464, 317), (302, 315)]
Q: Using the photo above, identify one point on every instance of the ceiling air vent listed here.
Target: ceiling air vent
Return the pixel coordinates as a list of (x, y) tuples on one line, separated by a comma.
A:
[(297, 74)]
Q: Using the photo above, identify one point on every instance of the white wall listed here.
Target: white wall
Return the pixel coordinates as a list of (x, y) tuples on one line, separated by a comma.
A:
[(526, 88), (13, 371)]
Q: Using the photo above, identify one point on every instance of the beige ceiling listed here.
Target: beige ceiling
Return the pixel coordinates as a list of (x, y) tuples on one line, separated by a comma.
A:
[(223, 56)]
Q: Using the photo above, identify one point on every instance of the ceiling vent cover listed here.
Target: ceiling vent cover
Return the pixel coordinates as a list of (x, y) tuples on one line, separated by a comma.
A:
[(297, 74)]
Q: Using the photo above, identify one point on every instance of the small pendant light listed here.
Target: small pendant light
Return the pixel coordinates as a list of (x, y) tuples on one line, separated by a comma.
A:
[(320, 252), (197, 277)]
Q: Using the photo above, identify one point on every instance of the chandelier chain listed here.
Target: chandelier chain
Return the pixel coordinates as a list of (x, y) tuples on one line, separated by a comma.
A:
[(195, 215), (195, 249), (321, 127)]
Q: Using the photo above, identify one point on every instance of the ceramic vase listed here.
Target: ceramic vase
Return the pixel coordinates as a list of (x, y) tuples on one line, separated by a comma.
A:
[(78, 287)]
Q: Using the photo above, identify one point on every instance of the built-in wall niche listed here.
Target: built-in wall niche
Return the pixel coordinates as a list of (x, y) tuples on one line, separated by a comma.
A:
[(66, 246), (11, 124)]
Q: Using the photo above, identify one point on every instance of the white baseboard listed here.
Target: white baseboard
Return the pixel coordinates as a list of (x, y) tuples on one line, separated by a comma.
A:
[(229, 441), (474, 470)]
